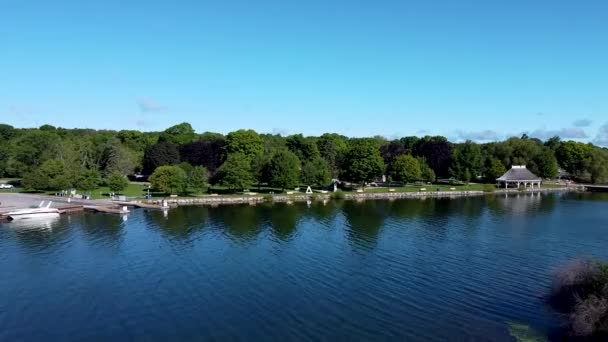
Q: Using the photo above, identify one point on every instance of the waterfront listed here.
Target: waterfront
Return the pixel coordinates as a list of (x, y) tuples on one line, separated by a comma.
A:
[(421, 269)]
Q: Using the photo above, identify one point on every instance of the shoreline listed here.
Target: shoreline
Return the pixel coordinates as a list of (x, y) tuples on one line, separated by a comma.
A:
[(13, 200), (221, 200)]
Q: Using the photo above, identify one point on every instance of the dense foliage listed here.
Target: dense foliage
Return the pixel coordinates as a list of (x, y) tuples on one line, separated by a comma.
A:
[(580, 291), (50, 158)]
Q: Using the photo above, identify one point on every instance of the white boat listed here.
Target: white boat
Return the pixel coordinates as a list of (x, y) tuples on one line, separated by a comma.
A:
[(40, 211)]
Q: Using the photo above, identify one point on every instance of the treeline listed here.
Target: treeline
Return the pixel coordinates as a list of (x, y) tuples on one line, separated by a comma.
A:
[(50, 158)]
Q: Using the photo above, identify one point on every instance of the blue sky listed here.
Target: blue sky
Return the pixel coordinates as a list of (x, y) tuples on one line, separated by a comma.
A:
[(465, 69)]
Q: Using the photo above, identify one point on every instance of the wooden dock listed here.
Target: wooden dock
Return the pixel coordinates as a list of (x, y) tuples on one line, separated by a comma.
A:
[(597, 188), (104, 209), (146, 205)]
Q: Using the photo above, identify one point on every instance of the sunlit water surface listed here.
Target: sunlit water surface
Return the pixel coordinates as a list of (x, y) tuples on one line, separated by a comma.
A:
[(459, 269)]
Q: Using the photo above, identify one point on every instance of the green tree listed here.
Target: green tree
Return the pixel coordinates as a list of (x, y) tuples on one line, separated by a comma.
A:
[(198, 178), (179, 134), (51, 175), (259, 169), (466, 158), (572, 155), (598, 166), (117, 182), (428, 175), (304, 148), (333, 148), (236, 173), (88, 180), (246, 142), (405, 169), (316, 172), (169, 179), (284, 169), (437, 152), (363, 161), (495, 169), (546, 163), (466, 178), (160, 154)]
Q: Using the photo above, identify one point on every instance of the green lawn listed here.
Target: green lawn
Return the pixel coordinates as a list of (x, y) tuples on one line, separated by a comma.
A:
[(433, 187), (132, 190)]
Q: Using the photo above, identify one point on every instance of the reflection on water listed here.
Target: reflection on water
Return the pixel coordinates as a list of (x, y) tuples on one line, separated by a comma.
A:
[(433, 269), (34, 223)]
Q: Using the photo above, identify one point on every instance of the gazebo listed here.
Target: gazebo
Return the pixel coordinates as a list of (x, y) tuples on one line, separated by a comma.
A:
[(518, 175)]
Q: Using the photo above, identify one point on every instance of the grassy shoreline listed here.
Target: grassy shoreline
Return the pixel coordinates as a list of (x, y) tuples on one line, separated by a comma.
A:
[(136, 192)]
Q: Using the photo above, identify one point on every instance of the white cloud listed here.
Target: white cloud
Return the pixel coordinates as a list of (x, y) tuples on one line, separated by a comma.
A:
[(601, 138), (485, 135), (148, 105), (582, 123), (280, 131), (564, 133)]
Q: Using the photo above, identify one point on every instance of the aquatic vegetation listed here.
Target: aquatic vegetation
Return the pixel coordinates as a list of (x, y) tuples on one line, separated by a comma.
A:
[(580, 292), (524, 333)]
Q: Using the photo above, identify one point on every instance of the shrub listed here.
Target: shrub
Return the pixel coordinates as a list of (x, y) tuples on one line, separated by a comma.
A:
[(580, 290), (489, 188)]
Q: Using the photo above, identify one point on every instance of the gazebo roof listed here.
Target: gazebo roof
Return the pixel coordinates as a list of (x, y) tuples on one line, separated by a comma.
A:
[(518, 173)]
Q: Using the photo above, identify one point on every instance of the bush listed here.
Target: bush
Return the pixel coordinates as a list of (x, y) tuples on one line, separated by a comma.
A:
[(580, 290), (489, 188)]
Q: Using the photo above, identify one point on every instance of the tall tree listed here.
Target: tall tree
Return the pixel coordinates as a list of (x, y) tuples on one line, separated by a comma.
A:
[(208, 151), (246, 142), (236, 173), (572, 155), (598, 166), (546, 163), (284, 169), (197, 179), (304, 148), (437, 152), (466, 158), (391, 151), (180, 134), (363, 161), (160, 154), (494, 170), (333, 148), (405, 169), (316, 172)]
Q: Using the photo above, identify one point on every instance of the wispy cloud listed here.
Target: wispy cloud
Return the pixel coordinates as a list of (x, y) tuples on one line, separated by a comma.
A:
[(485, 135), (564, 133), (148, 105), (280, 131), (582, 123), (601, 138), (142, 123)]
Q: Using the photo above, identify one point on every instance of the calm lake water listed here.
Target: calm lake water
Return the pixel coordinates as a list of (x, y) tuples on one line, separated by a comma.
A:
[(435, 269)]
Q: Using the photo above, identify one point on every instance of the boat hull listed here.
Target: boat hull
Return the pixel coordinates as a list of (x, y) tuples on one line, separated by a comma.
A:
[(26, 216)]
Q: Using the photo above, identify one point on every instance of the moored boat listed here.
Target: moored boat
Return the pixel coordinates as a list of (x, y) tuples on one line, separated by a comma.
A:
[(40, 211)]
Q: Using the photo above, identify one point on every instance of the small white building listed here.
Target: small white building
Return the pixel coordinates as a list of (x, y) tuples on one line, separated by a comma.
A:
[(518, 175)]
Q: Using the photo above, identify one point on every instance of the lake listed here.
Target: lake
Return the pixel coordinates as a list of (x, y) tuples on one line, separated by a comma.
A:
[(423, 270)]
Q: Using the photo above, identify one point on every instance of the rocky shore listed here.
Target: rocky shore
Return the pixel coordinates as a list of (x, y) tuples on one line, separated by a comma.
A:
[(217, 200)]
